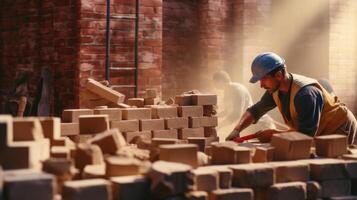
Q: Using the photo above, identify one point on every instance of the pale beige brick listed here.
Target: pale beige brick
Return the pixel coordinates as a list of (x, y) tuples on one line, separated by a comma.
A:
[(230, 153), (252, 175), (69, 129), (204, 99), (91, 189), (105, 92), (331, 145), (151, 124), (126, 125), (130, 187), (71, 115), (176, 123), (109, 141), (121, 166), (136, 113), (114, 114), (190, 111), (291, 146), (158, 112), (233, 193), (171, 133), (92, 124), (263, 154), (205, 179), (184, 153), (93, 171), (138, 102), (190, 132)]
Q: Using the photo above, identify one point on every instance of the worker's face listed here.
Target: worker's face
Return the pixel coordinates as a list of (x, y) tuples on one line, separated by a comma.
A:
[(270, 83)]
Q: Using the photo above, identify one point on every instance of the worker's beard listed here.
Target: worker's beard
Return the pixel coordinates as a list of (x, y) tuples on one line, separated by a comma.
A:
[(275, 88)]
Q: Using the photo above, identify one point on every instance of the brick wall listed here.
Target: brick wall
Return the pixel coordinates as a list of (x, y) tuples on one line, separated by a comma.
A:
[(92, 46), (39, 34)]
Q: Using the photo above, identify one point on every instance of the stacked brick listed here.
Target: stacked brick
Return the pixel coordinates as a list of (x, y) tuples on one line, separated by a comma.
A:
[(89, 156)]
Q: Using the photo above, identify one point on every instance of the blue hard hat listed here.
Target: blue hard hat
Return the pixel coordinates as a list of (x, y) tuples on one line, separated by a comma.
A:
[(265, 63)]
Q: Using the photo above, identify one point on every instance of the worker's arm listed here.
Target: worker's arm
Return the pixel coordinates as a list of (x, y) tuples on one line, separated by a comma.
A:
[(246, 120)]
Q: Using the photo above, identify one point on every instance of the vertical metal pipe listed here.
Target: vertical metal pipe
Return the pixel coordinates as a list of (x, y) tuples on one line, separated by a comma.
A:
[(107, 42), (136, 45)]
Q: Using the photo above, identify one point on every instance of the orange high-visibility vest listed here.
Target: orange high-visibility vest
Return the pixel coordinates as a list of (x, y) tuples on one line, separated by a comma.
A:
[(333, 115)]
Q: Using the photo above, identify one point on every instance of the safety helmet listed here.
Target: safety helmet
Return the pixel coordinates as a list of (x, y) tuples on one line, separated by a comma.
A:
[(265, 63)]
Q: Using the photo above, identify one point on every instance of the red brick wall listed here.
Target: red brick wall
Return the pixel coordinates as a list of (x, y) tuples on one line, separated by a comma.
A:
[(92, 47), (38, 34)]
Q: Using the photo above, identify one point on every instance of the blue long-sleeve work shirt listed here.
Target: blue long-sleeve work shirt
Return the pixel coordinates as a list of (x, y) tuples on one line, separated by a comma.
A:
[(308, 104)]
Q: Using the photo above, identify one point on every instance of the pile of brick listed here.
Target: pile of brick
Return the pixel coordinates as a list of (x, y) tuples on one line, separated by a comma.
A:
[(165, 152)]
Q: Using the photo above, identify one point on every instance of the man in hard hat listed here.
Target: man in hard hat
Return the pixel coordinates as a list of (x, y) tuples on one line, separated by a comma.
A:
[(236, 100), (304, 104)]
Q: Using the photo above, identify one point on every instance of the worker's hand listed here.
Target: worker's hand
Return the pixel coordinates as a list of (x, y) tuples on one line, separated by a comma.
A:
[(233, 134), (265, 135)]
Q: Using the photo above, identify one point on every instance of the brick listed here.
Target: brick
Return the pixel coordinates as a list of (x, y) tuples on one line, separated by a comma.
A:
[(225, 175), (109, 141), (230, 153), (190, 132), (125, 125), (333, 188), (184, 153), (160, 112), (121, 166), (195, 122), (349, 156), (292, 190), (6, 131), (105, 92), (92, 124), (90, 189), (130, 187), (196, 195), (138, 102), (313, 190), (150, 93), (60, 152), (204, 99), (201, 142), (171, 133), (130, 136), (183, 100), (327, 169), (151, 101), (57, 166), (291, 146), (331, 145), (168, 179), (252, 175), (69, 129), (233, 193), (176, 123), (27, 129), (93, 171), (205, 179), (87, 154), (28, 184), (114, 114), (263, 154), (72, 115), (160, 141), (291, 171), (136, 113), (51, 127), (151, 124), (190, 111)]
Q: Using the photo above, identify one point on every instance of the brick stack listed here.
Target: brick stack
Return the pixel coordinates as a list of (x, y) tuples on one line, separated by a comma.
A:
[(164, 161)]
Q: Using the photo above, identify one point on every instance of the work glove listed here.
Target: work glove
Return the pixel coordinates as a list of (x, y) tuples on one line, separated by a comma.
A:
[(233, 134)]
